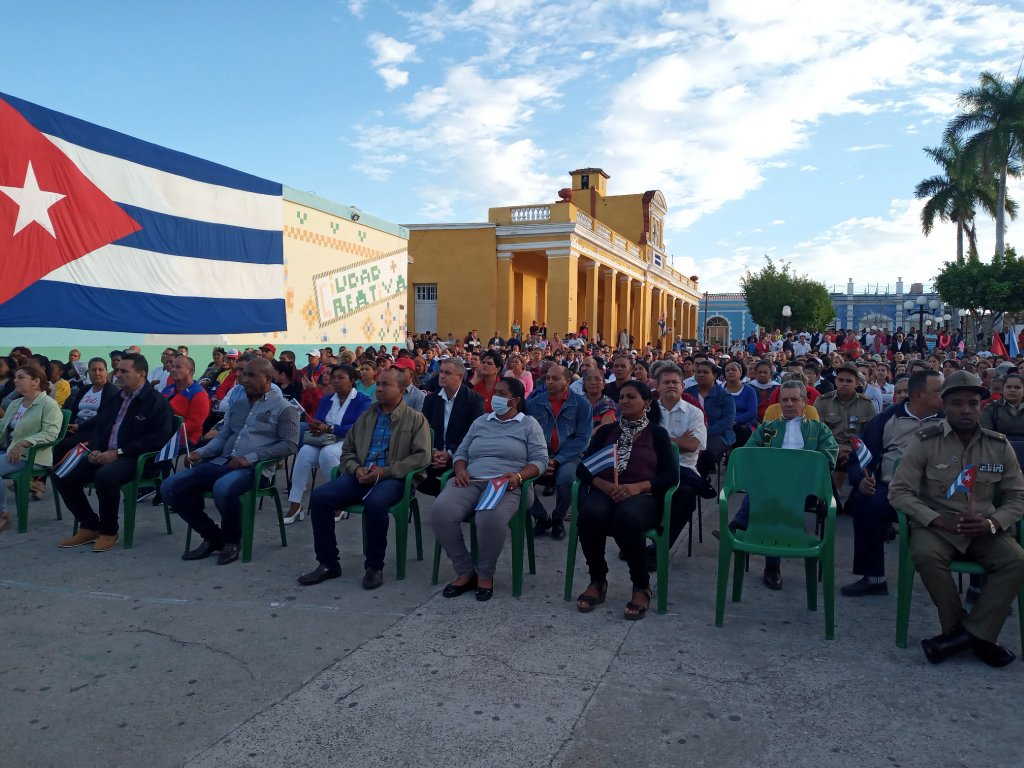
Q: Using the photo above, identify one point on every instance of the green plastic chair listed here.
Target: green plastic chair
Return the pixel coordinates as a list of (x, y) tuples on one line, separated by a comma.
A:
[(778, 482), (659, 535), (248, 502), (520, 527), (23, 477), (905, 584), (406, 510)]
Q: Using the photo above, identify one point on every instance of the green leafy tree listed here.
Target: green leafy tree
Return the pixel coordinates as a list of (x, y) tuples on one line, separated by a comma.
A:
[(991, 127), (772, 287), (973, 285)]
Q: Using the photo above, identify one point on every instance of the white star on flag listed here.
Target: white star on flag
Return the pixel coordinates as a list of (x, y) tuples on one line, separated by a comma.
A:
[(33, 203)]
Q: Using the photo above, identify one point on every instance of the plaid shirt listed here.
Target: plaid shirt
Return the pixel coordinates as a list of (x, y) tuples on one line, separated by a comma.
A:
[(380, 441)]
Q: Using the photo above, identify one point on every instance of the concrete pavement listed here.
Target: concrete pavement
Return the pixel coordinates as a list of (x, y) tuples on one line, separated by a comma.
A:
[(136, 658)]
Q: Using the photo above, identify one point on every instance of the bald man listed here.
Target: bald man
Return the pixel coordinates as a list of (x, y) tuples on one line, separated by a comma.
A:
[(261, 425)]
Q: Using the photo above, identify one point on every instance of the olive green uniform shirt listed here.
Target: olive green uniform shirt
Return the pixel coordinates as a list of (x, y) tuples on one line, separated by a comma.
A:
[(931, 464), (845, 419)]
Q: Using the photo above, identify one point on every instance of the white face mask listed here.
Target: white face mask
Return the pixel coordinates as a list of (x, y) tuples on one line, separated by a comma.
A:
[(500, 405)]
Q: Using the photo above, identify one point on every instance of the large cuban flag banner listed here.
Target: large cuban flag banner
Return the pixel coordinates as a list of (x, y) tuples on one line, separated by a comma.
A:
[(103, 231)]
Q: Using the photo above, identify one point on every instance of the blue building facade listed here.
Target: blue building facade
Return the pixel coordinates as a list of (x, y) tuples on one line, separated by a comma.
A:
[(725, 316)]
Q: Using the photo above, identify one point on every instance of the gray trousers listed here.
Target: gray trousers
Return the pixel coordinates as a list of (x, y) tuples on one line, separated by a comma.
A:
[(453, 507)]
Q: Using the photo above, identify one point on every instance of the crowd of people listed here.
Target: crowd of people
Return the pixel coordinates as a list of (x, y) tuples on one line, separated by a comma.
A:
[(898, 419)]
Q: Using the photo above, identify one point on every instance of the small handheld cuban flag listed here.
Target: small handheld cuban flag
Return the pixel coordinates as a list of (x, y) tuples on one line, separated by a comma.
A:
[(174, 446), (70, 460), (598, 462), (492, 494), (964, 481), (862, 452)]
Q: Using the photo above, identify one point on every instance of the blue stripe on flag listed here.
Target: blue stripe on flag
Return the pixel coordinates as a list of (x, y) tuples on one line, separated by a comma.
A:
[(117, 144), (100, 309), (177, 236), (600, 461)]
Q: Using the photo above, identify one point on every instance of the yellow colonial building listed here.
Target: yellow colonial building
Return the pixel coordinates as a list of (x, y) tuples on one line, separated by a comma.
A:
[(589, 257)]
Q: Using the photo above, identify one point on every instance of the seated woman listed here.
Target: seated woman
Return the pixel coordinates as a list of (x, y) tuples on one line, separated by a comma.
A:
[(367, 383), (287, 378), (33, 418), (86, 403), (517, 370), (61, 387), (634, 467), (745, 398), (323, 441), (1006, 414), (505, 443), (602, 409)]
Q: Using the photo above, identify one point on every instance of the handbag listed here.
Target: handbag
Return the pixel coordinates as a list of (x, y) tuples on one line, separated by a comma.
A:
[(320, 441)]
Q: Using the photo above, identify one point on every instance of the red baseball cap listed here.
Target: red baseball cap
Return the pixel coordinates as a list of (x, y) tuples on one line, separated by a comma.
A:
[(269, 347), (405, 362)]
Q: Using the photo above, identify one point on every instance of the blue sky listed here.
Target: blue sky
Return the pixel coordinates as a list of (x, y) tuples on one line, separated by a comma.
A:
[(788, 128)]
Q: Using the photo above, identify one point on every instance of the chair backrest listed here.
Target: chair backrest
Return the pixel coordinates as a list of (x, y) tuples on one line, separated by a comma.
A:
[(778, 482), (65, 420)]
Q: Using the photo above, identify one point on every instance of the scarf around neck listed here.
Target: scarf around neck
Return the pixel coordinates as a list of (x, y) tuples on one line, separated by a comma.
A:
[(624, 444)]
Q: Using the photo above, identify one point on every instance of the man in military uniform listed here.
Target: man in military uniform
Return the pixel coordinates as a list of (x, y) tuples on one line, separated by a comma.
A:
[(957, 527), (846, 412)]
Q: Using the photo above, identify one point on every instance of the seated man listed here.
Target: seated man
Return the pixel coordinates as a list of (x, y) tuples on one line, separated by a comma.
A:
[(262, 425), (963, 525), (685, 426), (450, 412), (388, 441), (565, 418), (793, 430), (186, 398), (138, 421), (886, 437)]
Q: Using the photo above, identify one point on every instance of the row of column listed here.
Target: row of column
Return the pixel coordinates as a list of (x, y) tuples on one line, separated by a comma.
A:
[(577, 289)]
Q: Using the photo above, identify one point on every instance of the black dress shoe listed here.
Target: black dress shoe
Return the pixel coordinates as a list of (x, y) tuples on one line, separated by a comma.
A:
[(772, 579), (483, 594), (373, 578), (939, 648), (204, 550), (228, 554), (557, 530), (865, 587), (992, 654), (541, 527), (318, 574), (454, 590)]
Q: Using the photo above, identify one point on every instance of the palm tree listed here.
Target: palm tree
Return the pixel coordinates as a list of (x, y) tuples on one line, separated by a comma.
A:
[(991, 126), (955, 195)]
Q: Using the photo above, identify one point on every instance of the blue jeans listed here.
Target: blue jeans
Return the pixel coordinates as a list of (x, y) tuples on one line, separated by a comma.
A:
[(344, 491), (6, 467), (183, 492), (564, 477)]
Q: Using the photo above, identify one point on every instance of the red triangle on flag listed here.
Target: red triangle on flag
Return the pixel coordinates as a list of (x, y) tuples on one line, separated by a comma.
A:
[(82, 219)]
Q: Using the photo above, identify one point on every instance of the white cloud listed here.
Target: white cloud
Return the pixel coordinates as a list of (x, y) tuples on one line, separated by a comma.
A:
[(870, 249), (389, 52), (808, 168), (357, 7), (778, 222), (867, 147), (393, 77)]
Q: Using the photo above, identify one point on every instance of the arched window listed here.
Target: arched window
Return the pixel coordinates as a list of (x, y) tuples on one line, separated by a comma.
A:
[(716, 331)]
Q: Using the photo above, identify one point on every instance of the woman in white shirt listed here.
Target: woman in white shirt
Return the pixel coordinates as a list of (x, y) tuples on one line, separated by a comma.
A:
[(323, 440)]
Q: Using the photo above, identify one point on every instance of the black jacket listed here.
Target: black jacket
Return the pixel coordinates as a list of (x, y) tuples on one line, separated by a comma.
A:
[(468, 406), (108, 393), (146, 427)]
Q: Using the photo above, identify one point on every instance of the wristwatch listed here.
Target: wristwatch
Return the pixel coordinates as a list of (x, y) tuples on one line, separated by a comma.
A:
[(992, 526), (120, 451)]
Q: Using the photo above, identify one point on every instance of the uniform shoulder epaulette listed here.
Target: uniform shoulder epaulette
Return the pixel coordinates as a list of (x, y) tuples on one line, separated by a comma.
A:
[(998, 436), (932, 430)]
